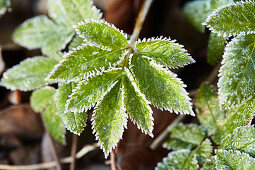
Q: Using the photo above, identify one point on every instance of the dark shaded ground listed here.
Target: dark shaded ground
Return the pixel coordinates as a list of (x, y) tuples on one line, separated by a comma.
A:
[(21, 132)]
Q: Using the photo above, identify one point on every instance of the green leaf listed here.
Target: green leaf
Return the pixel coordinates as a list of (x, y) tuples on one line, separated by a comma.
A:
[(74, 121), (237, 75), (209, 165), (41, 32), (196, 13), (136, 104), (110, 119), (177, 160), (164, 52), (160, 86), (233, 19), (53, 123), (85, 62), (29, 74), (242, 139), (41, 98), (102, 34), (233, 160), (215, 49), (76, 42), (203, 152), (88, 92), (236, 117), (177, 144), (209, 113), (4, 4)]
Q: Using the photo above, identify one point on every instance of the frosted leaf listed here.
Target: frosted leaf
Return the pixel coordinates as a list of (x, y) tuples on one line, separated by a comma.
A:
[(186, 136), (53, 123), (85, 62), (242, 139), (136, 104), (209, 114), (237, 75), (88, 92), (215, 49), (4, 4), (29, 74), (236, 117), (41, 32), (233, 19), (110, 119), (41, 98), (74, 121), (160, 86), (164, 52), (76, 42), (102, 34), (233, 160)]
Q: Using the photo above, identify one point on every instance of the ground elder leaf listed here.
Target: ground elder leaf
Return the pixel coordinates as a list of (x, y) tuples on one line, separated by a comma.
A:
[(110, 119), (208, 110), (233, 160), (88, 92), (137, 106), (29, 74), (53, 123), (85, 62), (102, 34), (41, 98), (160, 86), (242, 139), (216, 45), (233, 19), (164, 52), (237, 75), (74, 121)]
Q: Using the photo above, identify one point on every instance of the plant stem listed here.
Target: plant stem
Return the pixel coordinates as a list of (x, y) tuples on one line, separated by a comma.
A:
[(52, 164), (73, 151), (112, 161), (140, 20), (158, 141), (53, 150)]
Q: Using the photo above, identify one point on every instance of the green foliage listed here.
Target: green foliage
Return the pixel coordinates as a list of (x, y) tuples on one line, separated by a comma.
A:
[(209, 113), (53, 123), (237, 75), (233, 19), (41, 98), (242, 139), (30, 74), (4, 4), (53, 35), (233, 160)]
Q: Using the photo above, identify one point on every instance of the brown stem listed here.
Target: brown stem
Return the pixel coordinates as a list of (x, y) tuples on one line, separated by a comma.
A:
[(73, 151), (112, 161), (53, 150)]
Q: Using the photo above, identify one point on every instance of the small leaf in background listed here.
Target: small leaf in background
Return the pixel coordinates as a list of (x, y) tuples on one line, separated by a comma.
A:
[(29, 74), (74, 121), (76, 42), (102, 34), (90, 91), (41, 32), (188, 136), (242, 139), (137, 106), (54, 123), (178, 160), (234, 19), (209, 165), (164, 52), (160, 86), (233, 160), (209, 114), (237, 75), (236, 117), (196, 13), (41, 98), (203, 152), (110, 119), (4, 4), (85, 62), (216, 45)]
